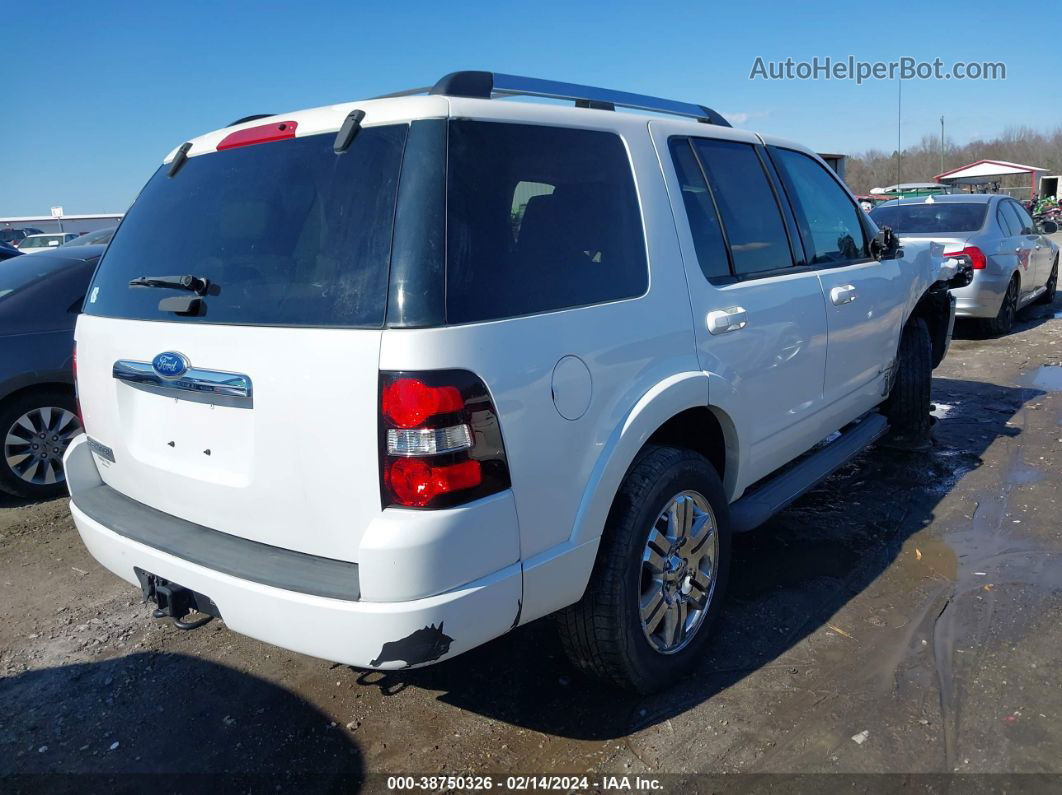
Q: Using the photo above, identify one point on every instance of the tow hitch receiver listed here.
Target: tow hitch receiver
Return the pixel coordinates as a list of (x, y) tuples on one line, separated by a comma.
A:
[(175, 601)]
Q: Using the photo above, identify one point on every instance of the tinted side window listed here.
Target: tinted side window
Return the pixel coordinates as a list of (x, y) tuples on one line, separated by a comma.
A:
[(1027, 225), (829, 222), (747, 205), (700, 211), (539, 218), (1011, 212), (1004, 222)]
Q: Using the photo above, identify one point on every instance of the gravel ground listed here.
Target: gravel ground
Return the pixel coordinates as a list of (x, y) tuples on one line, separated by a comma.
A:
[(902, 618)]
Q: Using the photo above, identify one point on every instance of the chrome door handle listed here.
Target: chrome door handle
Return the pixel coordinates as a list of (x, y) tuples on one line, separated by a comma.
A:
[(1017, 250), (721, 321), (845, 294)]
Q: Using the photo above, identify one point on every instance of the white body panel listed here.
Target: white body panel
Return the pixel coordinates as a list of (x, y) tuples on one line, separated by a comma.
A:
[(298, 470), (864, 311)]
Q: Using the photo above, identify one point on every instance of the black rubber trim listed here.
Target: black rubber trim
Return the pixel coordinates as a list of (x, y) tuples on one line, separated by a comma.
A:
[(417, 287), (248, 560)]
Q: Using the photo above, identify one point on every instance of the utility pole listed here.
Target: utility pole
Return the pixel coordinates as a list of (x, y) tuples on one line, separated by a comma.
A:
[(941, 144)]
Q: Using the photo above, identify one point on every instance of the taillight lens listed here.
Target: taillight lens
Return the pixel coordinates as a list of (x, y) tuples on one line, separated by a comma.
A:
[(973, 253), (408, 402), (415, 482), (440, 443)]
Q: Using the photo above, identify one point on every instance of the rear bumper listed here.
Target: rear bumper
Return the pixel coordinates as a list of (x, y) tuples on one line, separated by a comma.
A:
[(983, 296), (384, 635)]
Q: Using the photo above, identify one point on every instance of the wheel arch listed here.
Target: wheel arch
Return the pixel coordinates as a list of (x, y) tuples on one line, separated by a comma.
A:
[(557, 577), (36, 386)]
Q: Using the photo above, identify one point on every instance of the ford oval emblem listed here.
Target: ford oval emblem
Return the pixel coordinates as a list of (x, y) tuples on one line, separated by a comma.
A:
[(170, 364)]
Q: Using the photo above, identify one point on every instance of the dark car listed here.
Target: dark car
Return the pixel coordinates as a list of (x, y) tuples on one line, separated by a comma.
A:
[(7, 252), (40, 298), (13, 236), (98, 237)]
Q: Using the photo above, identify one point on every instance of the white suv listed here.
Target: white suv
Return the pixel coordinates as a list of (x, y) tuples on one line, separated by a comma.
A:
[(379, 382)]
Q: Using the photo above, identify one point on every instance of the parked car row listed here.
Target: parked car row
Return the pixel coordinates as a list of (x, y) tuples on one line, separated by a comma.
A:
[(38, 242)]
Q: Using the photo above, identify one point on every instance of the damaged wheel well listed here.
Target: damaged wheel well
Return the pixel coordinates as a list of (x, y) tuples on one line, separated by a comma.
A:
[(935, 309)]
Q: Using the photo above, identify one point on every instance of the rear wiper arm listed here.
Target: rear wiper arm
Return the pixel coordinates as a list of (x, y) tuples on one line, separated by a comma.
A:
[(195, 284)]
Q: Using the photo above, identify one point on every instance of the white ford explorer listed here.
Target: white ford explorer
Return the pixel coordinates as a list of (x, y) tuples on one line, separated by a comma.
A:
[(379, 382)]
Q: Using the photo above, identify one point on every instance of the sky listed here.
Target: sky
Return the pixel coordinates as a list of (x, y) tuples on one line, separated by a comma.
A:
[(102, 92)]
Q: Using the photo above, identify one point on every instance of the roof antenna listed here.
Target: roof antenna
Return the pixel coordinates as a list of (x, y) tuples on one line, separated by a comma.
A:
[(179, 158), (351, 127)]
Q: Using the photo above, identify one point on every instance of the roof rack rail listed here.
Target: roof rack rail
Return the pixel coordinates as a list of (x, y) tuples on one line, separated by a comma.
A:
[(485, 85)]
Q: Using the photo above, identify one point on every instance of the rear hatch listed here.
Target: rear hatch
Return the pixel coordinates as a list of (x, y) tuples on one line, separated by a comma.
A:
[(250, 406)]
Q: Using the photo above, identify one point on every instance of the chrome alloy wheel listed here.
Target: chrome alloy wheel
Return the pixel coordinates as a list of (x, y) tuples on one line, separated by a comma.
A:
[(678, 572), (35, 443)]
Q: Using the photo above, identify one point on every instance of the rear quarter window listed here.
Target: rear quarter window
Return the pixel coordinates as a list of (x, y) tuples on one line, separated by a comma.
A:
[(289, 233), (538, 219)]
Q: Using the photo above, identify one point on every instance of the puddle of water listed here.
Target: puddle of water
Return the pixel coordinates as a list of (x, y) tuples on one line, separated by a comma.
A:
[(1049, 377), (1022, 475), (931, 556)]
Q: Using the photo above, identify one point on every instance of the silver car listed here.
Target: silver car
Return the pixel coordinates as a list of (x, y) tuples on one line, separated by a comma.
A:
[(1014, 262)]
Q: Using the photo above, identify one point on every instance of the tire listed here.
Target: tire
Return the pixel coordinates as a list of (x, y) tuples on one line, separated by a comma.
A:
[(1052, 285), (1004, 319), (907, 406), (603, 634), (36, 472)]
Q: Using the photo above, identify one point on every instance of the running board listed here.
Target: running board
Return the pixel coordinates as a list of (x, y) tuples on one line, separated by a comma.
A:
[(773, 495)]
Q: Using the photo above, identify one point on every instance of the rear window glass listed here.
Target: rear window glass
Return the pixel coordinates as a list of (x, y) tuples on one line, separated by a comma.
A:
[(935, 218), (288, 233), (539, 218)]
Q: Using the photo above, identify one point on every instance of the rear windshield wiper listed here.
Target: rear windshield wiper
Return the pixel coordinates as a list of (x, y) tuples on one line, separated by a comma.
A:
[(196, 284)]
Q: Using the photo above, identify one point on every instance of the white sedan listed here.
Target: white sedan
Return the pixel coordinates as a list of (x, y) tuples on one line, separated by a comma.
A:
[(33, 244)]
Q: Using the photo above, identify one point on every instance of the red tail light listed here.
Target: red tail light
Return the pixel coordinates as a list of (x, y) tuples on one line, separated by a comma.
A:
[(973, 253), (440, 443), (407, 402), (416, 482)]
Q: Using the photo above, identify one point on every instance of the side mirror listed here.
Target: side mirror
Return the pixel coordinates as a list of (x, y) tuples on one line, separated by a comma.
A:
[(1048, 227), (885, 244)]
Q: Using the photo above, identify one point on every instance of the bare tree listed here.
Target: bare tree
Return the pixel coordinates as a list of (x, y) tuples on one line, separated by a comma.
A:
[(921, 162)]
